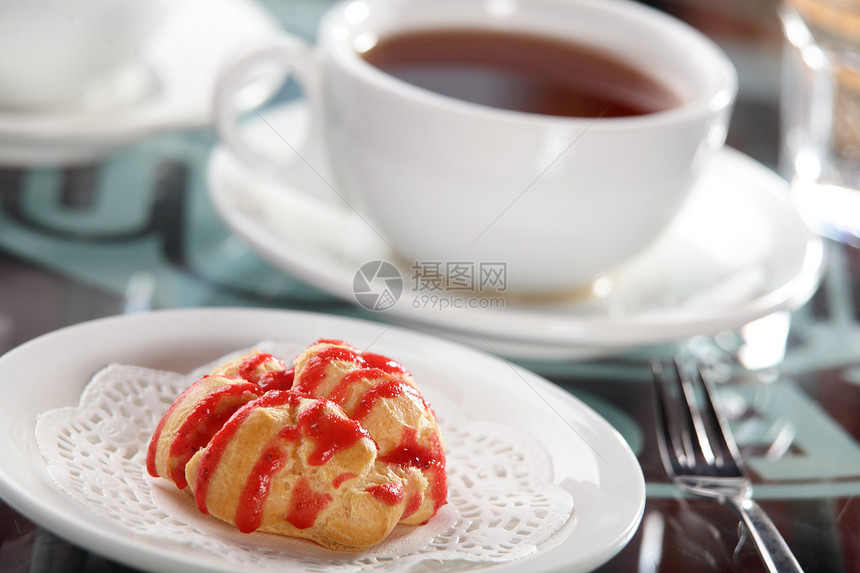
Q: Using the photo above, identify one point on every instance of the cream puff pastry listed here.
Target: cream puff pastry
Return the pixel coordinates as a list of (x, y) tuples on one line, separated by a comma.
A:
[(338, 449)]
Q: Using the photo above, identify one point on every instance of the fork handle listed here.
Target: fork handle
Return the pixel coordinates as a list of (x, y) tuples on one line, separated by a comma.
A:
[(770, 544)]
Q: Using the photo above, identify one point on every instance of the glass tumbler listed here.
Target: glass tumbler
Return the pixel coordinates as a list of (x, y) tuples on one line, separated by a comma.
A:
[(820, 113)]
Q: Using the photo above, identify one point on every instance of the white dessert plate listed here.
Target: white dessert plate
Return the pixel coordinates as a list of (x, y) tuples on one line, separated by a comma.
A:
[(169, 88), (738, 251), (586, 456)]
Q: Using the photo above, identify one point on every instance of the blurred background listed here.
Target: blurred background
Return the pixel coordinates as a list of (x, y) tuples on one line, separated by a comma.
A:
[(143, 210)]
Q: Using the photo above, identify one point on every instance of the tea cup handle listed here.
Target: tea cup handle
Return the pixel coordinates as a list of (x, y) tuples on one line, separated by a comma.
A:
[(303, 161)]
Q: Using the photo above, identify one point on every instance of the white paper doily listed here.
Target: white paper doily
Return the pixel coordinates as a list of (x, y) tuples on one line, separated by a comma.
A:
[(502, 502)]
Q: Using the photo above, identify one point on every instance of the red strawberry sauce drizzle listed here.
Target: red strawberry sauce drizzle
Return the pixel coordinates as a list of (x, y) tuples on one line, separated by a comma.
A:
[(274, 380), (330, 433), (383, 363), (316, 368), (410, 453), (206, 411), (339, 392), (249, 512), (389, 388), (340, 478), (153, 442), (248, 367), (206, 418), (280, 379), (306, 504), (388, 493), (412, 505), (213, 452)]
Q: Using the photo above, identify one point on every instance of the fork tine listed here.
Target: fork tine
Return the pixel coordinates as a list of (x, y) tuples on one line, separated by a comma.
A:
[(727, 452), (673, 454), (692, 416)]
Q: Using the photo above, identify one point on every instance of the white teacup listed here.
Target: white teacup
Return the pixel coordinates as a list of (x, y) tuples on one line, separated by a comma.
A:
[(52, 51), (558, 200)]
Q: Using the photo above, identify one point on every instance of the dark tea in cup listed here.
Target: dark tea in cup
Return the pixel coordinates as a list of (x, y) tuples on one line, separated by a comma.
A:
[(520, 72)]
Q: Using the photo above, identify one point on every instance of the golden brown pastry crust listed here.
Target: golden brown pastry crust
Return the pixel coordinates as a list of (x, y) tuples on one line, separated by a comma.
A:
[(383, 397), (192, 420), (350, 450)]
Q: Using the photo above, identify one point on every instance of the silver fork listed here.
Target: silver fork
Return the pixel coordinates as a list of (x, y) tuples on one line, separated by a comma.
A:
[(700, 455)]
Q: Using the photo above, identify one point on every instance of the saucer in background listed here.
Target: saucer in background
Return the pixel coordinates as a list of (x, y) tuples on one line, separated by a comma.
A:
[(737, 252), (170, 88)]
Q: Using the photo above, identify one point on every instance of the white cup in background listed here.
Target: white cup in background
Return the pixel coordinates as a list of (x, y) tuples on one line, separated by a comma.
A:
[(558, 200), (51, 51)]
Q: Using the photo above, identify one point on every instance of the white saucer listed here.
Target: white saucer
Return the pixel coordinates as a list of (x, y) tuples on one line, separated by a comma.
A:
[(169, 88), (737, 252)]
